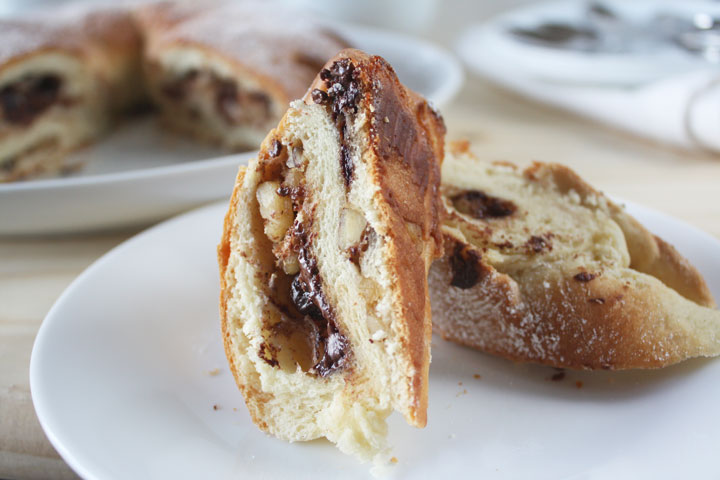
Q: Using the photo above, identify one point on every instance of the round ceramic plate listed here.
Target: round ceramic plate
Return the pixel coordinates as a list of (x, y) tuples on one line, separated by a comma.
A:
[(129, 380), (140, 174)]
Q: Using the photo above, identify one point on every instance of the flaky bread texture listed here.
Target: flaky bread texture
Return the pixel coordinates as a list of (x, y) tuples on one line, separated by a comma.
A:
[(84, 64), (269, 57), (373, 241), (567, 279)]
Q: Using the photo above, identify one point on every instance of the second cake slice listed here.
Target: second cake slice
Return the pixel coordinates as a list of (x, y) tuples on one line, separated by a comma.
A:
[(541, 267)]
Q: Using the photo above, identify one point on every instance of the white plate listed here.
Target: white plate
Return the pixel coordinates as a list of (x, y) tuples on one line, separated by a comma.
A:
[(140, 174), (489, 48), (120, 378)]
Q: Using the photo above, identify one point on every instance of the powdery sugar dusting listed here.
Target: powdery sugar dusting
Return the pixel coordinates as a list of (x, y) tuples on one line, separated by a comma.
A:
[(70, 28), (285, 46)]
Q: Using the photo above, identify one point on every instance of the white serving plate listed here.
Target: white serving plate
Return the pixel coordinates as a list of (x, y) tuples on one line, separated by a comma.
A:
[(140, 174), (121, 379)]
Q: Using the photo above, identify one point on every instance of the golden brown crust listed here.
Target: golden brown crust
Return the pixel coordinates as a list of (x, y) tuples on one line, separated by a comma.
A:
[(223, 253), (616, 318), (555, 320), (255, 399), (652, 255)]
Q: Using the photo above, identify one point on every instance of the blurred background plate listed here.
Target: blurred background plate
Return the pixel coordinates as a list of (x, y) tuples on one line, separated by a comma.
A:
[(635, 44), (140, 174)]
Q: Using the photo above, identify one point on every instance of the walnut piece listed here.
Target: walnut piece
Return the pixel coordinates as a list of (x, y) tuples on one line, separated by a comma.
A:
[(275, 210), (352, 224)]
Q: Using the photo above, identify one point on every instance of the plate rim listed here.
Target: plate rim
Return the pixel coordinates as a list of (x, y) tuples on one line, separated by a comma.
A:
[(45, 415)]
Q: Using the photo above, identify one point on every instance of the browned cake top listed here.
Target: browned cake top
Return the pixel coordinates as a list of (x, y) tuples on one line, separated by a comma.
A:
[(75, 28), (286, 47)]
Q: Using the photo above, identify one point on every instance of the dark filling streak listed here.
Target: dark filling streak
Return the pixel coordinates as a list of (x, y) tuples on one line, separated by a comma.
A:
[(303, 299), (480, 205), (356, 251), (233, 104), (309, 299), (23, 101), (269, 352), (226, 99), (464, 265), (342, 97), (296, 194), (585, 276), (346, 164), (320, 97), (9, 165), (538, 244), (178, 89)]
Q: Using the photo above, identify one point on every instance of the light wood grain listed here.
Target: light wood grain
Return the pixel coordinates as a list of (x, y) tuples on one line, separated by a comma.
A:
[(33, 273)]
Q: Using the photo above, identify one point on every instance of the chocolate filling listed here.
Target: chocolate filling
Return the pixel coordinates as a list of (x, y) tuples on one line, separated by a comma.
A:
[(307, 331), (312, 316), (480, 205), (538, 244), (464, 265), (346, 164), (9, 165), (356, 251), (342, 97), (23, 101), (180, 88), (585, 276), (234, 104), (330, 346)]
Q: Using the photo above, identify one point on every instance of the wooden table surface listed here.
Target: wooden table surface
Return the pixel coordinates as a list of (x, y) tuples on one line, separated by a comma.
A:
[(35, 270)]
